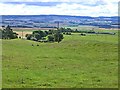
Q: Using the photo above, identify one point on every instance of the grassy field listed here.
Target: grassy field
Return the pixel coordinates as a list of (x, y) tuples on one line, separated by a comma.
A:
[(78, 62)]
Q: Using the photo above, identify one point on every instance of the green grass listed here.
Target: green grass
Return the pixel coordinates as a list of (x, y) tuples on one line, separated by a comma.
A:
[(78, 62)]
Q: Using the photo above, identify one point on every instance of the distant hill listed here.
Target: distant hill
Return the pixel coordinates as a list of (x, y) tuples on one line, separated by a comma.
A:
[(39, 21)]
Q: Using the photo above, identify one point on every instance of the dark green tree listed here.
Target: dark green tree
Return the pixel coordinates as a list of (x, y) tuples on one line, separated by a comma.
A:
[(28, 36), (8, 33), (58, 37), (51, 32), (41, 33), (46, 32), (37, 36), (51, 38)]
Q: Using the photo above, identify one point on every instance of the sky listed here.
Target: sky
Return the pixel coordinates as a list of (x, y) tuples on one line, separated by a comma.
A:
[(93, 8)]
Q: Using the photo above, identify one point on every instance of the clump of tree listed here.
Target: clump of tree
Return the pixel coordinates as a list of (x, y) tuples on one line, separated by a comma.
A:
[(8, 33), (45, 36), (36, 35)]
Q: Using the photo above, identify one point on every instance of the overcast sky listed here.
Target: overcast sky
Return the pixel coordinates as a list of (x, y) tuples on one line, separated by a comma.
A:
[(60, 7)]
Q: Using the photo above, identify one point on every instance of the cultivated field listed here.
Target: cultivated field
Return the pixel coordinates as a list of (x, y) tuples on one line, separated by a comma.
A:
[(89, 61)]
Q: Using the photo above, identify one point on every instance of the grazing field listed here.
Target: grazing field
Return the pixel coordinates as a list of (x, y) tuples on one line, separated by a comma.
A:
[(89, 61)]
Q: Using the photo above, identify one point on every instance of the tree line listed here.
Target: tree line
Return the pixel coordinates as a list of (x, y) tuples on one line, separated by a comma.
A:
[(46, 36)]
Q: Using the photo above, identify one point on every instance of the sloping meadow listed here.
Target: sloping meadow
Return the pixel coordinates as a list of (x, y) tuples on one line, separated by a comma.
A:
[(78, 61)]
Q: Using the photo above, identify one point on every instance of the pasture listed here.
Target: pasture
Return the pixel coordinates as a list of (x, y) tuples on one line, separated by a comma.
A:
[(89, 61)]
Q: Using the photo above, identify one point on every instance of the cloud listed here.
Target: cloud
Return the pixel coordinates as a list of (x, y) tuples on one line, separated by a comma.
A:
[(86, 1), (61, 7), (35, 3)]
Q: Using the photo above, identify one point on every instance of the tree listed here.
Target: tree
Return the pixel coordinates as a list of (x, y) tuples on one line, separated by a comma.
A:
[(69, 30), (37, 36), (51, 32), (62, 29), (51, 38), (35, 32), (46, 32), (76, 31), (28, 36), (41, 33), (58, 37), (7, 33)]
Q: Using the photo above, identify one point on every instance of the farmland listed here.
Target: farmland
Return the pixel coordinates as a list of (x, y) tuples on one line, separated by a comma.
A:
[(89, 61)]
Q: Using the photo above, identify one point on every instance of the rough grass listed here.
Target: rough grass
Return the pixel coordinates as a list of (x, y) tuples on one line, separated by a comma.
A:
[(78, 62)]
